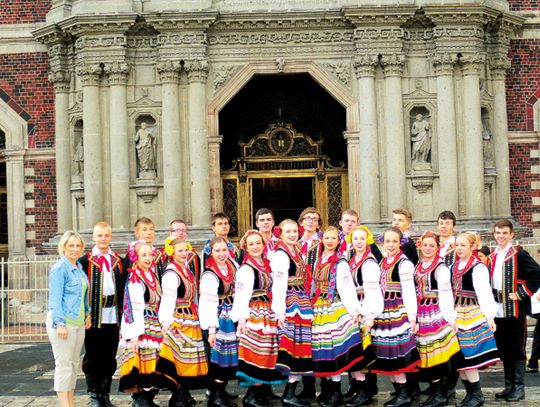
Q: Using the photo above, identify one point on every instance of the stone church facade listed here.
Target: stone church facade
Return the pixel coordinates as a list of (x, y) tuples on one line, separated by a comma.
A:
[(114, 110)]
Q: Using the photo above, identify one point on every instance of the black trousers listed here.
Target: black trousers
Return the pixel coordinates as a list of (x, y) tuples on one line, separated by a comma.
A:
[(101, 345), (535, 353), (511, 337)]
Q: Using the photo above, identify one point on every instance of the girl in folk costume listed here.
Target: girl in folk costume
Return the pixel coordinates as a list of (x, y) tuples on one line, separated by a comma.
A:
[(215, 303), (393, 331), (436, 340), (257, 323), (182, 357), (140, 329), (366, 275), (476, 308), (292, 305), (336, 337)]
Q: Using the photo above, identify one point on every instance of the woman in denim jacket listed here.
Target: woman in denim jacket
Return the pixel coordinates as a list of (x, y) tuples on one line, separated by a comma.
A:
[(69, 315)]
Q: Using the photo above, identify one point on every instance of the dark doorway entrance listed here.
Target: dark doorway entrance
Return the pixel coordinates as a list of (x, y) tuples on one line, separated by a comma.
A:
[(287, 197)]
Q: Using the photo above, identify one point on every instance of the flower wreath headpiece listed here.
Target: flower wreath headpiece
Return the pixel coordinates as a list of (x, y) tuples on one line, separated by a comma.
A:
[(427, 234), (250, 232), (369, 239), (169, 246), (132, 250)]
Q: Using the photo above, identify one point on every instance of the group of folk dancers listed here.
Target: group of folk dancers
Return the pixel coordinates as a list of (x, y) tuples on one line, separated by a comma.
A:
[(301, 301)]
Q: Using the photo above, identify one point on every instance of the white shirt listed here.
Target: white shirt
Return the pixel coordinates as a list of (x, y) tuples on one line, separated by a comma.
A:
[(109, 314), (497, 278), (446, 246)]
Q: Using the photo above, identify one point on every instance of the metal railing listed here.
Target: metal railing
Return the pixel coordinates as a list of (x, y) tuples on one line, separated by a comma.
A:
[(24, 291)]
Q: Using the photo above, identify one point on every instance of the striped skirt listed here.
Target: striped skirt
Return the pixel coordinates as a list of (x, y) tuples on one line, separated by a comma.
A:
[(138, 369), (476, 340), (182, 352), (294, 356), (259, 346), (393, 339), (224, 355), (336, 339), (436, 342)]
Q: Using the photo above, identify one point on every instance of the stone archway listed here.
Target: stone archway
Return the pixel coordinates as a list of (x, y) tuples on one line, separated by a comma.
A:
[(326, 80)]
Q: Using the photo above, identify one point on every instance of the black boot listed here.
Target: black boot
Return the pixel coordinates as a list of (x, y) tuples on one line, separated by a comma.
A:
[(191, 401), (227, 395), (354, 385), (106, 390), (449, 384), (290, 399), (468, 393), (362, 397), (178, 398), (476, 398), (325, 391), (255, 398), (371, 379), (266, 392), (142, 399), (335, 397), (438, 396), (93, 385), (308, 388), (509, 377), (413, 388), (519, 385), (149, 397), (216, 397), (401, 399)]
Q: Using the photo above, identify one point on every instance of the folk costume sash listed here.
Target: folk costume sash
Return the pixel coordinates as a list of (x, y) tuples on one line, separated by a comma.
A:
[(97, 265)]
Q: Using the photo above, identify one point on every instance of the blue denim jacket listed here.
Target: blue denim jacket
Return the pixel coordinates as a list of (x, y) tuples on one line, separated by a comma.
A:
[(65, 291)]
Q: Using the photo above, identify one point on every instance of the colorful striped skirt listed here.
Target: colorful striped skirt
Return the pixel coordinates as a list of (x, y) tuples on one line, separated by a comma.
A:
[(393, 339), (182, 352), (224, 354), (138, 369), (259, 346), (294, 356), (475, 338), (336, 339), (436, 342)]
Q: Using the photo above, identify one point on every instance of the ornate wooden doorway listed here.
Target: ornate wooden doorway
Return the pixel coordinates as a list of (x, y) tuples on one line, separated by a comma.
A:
[(285, 171)]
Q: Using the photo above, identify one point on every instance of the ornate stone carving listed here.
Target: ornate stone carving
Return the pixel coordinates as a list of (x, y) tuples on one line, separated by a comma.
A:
[(280, 64), (100, 41), (117, 72), (78, 159), (393, 64), (60, 80), (145, 144), (473, 63), (89, 74), (181, 39), (499, 66), (341, 70), (459, 32), (168, 71), (197, 70), (364, 65), (378, 34), (421, 140), (444, 63), (222, 74), (305, 37)]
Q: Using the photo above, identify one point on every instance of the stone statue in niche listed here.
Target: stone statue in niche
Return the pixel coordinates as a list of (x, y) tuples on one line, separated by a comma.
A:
[(421, 139), (487, 145), (145, 144), (78, 158)]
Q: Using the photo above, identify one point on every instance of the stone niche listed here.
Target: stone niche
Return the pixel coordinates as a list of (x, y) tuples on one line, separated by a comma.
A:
[(145, 152)]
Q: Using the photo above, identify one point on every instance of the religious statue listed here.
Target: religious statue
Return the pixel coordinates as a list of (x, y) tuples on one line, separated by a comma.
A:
[(421, 139), (145, 143), (78, 158), (487, 145)]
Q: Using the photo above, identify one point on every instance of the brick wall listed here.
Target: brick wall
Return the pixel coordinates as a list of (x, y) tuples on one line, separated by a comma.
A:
[(523, 83), (522, 5), (23, 11)]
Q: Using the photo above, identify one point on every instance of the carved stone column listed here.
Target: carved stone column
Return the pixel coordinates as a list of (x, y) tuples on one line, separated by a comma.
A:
[(394, 130), (118, 75), (16, 205), (500, 136), (197, 72), (446, 132), (368, 167), (93, 152), (172, 178), (60, 79), (353, 163), (216, 197), (472, 126)]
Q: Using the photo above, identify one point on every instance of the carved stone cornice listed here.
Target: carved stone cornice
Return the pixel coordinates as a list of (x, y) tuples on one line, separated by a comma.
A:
[(473, 64), (197, 70), (169, 71), (117, 72), (183, 21), (391, 34), (100, 41), (364, 65), (281, 38), (176, 39), (89, 73), (444, 63), (393, 64), (457, 32)]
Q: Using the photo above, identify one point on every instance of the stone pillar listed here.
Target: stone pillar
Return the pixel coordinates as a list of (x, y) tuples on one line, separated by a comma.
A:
[(500, 138), (119, 145), (170, 117), (214, 170), (446, 133), (472, 132), (61, 82), (93, 151), (197, 71), (353, 164), (394, 131), (16, 202), (368, 167)]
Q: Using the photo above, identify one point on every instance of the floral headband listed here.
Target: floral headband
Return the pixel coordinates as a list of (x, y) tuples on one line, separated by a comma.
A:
[(250, 232), (427, 234), (132, 250), (169, 246), (369, 238)]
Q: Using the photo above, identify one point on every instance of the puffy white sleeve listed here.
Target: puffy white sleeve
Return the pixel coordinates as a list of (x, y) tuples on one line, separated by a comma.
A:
[(136, 328), (482, 287), (208, 301), (406, 275), (373, 303), (446, 296), (280, 264), (169, 283), (346, 288), (243, 289)]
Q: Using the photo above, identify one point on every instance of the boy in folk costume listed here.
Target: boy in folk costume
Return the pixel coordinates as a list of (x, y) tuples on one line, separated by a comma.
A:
[(107, 280), (347, 223), (402, 219), (221, 228), (446, 223), (265, 222), (515, 276)]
